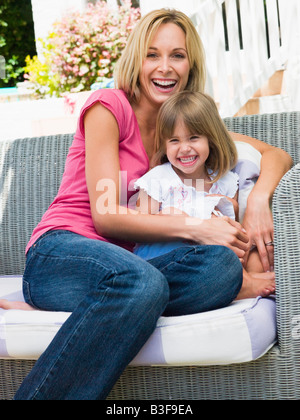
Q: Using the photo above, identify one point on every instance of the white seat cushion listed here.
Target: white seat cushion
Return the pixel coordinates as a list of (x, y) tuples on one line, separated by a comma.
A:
[(242, 332)]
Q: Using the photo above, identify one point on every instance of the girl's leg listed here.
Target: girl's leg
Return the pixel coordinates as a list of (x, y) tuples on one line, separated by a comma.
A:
[(115, 299), (254, 264), (256, 282), (22, 306), (201, 278)]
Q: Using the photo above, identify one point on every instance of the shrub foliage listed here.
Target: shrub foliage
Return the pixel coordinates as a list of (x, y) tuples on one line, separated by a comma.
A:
[(16, 38), (82, 49)]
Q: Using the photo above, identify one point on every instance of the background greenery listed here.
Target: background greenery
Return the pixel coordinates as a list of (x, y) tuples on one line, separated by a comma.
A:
[(16, 38), (81, 49), (17, 42)]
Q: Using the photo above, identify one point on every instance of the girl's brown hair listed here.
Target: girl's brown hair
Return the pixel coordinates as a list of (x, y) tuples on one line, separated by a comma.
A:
[(200, 115)]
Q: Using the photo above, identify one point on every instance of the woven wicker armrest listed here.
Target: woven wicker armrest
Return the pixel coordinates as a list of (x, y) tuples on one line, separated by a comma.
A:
[(286, 213)]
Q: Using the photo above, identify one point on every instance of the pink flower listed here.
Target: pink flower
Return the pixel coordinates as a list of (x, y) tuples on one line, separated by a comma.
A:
[(84, 47)]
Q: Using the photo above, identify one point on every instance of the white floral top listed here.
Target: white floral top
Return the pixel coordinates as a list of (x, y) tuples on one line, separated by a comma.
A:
[(164, 185)]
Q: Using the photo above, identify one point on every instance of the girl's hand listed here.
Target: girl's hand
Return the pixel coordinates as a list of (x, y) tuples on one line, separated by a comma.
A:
[(234, 202)]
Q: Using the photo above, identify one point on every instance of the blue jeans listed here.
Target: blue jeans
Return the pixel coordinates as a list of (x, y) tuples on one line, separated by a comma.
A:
[(116, 299)]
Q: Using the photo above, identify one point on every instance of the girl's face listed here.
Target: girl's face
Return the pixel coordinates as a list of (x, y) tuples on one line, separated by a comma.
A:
[(187, 152), (166, 67)]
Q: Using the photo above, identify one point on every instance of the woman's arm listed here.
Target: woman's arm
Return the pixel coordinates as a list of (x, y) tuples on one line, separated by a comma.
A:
[(258, 220), (115, 221), (235, 204), (275, 163)]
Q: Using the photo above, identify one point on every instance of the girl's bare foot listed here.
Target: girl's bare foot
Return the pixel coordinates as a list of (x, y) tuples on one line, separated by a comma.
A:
[(257, 284), (7, 304)]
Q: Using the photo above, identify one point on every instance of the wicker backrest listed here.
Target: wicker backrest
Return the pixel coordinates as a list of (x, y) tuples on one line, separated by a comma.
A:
[(280, 130), (30, 173), (31, 170)]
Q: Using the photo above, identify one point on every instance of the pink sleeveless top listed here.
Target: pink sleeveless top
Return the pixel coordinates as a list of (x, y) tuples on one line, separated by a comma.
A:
[(70, 209)]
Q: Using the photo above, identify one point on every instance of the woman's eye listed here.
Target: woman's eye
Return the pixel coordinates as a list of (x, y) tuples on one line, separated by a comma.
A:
[(151, 55), (179, 56)]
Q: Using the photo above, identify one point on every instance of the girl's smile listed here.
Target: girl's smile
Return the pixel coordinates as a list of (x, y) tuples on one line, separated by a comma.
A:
[(187, 152), (188, 160)]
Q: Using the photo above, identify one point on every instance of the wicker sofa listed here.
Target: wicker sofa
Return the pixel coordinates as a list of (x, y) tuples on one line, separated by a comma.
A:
[(30, 174)]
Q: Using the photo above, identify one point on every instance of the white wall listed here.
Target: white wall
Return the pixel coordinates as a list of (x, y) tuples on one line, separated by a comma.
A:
[(46, 12), (112, 3), (186, 6), (292, 76)]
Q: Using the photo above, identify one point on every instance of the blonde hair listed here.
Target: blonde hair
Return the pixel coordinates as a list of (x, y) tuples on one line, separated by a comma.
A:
[(130, 64), (200, 115)]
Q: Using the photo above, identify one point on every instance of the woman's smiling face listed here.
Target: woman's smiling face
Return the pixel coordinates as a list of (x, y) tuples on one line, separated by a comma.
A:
[(166, 67)]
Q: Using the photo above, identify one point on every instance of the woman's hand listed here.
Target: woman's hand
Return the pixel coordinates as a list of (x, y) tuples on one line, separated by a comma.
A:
[(220, 231), (258, 220), (258, 223)]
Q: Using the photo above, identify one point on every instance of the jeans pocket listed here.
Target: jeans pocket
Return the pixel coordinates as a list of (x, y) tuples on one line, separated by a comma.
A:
[(27, 294)]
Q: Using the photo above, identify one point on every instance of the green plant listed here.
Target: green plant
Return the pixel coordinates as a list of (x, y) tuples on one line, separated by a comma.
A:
[(16, 38), (43, 81), (4, 25), (82, 49), (13, 70)]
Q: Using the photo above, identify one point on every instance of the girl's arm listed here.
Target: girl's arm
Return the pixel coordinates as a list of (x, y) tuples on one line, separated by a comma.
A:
[(258, 220), (233, 200), (146, 204), (113, 220)]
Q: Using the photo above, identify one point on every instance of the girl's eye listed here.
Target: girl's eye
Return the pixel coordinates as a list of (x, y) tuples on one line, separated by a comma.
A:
[(173, 140), (194, 138)]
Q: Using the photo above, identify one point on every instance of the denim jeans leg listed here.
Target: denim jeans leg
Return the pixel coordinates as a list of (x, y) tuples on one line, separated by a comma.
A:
[(115, 299), (200, 278)]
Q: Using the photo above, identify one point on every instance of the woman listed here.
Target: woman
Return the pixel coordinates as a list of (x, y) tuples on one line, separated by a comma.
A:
[(79, 258)]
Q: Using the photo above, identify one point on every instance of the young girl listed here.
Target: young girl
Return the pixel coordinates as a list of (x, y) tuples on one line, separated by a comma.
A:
[(194, 157)]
